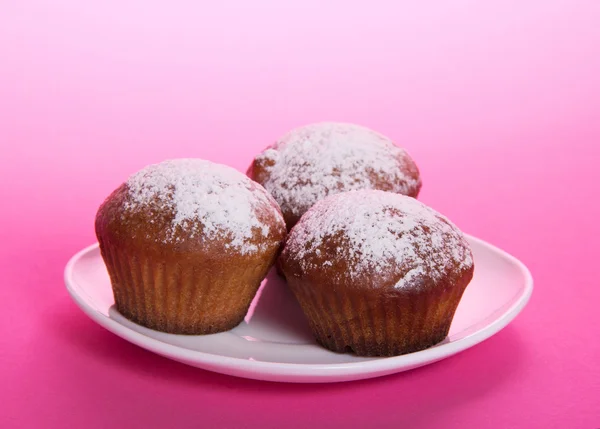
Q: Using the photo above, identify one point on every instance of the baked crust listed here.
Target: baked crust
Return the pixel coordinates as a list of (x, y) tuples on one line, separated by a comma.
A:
[(315, 161)]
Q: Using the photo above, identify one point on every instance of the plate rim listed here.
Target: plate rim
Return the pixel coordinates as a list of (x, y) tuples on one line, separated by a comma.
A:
[(297, 371)]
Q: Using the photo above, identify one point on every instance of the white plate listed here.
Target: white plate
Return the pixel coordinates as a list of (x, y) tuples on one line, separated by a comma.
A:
[(275, 343)]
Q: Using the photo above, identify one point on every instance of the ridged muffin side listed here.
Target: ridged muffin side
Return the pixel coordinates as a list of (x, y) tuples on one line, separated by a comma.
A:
[(378, 324)]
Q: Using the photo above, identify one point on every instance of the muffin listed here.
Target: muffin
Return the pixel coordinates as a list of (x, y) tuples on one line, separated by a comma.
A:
[(187, 243), (311, 162), (376, 273)]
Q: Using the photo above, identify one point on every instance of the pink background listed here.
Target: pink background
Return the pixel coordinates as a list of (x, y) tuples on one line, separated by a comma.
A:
[(498, 102)]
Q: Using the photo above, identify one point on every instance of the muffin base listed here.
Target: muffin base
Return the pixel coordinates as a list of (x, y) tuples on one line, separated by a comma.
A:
[(187, 295), (371, 324)]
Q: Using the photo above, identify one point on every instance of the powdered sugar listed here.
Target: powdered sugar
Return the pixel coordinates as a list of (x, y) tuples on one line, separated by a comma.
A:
[(409, 277), (377, 232), (202, 194), (314, 161)]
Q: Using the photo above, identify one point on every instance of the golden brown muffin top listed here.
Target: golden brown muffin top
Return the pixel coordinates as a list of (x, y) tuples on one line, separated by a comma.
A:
[(375, 239), (189, 204), (311, 162)]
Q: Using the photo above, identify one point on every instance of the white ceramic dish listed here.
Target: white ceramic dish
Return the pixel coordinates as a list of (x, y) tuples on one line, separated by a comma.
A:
[(274, 343)]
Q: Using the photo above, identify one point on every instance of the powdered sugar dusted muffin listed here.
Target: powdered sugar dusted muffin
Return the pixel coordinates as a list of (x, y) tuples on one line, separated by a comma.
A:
[(187, 243), (377, 273), (311, 162)]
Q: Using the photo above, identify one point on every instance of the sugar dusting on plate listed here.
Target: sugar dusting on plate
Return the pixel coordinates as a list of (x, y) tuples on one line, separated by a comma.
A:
[(314, 161), (219, 198), (379, 229)]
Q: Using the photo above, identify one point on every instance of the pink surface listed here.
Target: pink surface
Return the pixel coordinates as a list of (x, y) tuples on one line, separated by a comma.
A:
[(497, 101)]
